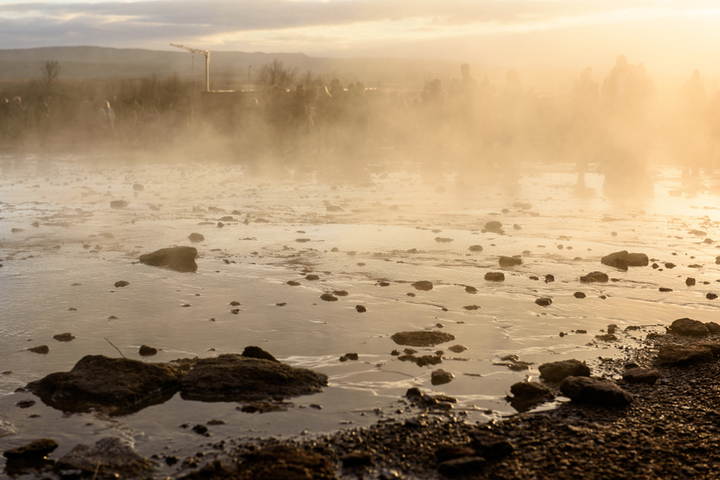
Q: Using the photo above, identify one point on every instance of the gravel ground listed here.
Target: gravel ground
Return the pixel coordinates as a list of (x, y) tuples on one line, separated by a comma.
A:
[(670, 431)]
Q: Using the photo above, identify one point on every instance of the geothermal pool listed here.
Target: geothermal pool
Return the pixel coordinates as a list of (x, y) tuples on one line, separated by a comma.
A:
[(372, 234)]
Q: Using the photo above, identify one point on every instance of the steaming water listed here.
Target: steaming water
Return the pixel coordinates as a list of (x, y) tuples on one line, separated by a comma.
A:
[(59, 277)]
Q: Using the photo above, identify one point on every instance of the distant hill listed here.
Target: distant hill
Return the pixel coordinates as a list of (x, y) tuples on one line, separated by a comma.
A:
[(228, 70)]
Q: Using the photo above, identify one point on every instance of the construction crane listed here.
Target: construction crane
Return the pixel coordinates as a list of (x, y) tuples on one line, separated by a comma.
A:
[(207, 61)]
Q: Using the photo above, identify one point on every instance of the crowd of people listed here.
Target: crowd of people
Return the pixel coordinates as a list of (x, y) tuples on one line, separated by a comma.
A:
[(616, 124)]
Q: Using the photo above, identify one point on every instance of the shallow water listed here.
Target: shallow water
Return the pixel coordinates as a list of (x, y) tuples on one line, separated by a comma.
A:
[(59, 277)]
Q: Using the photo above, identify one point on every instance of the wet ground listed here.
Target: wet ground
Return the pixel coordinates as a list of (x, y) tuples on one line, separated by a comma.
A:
[(371, 233)]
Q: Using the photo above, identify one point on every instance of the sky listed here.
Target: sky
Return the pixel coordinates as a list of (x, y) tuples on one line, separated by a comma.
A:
[(665, 35)]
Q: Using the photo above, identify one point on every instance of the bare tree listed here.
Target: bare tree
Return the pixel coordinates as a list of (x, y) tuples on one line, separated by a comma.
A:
[(276, 73), (50, 73)]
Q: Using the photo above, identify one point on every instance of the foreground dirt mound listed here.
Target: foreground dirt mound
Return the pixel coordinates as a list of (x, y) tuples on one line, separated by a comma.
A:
[(240, 378), (181, 259), (118, 385), (108, 457)]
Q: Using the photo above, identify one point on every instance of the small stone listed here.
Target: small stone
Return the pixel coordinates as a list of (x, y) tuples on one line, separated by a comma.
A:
[(475, 248), (457, 348), (470, 289), (510, 261), (594, 277), (689, 281), (43, 349), (196, 237), (146, 351), (544, 301), (118, 204), (360, 308), (641, 375), (579, 295), (495, 276), (440, 377), (711, 296), (423, 285), (64, 337), (557, 371), (328, 297), (121, 283)]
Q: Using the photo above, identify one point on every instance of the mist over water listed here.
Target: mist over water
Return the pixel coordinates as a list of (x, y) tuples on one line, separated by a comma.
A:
[(370, 190)]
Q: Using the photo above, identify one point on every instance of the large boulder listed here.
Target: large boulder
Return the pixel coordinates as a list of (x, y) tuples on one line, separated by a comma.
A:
[(595, 391), (181, 259), (676, 355), (689, 327), (558, 371), (109, 457), (116, 385), (238, 378), (622, 260), (422, 338)]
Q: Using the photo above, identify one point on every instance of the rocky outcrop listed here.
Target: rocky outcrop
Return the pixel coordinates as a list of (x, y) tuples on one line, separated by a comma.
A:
[(180, 259), (557, 371), (595, 391), (117, 385), (238, 378), (422, 338), (109, 457)]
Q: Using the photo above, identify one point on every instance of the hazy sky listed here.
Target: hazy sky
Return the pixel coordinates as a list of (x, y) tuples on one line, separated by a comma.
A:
[(664, 34)]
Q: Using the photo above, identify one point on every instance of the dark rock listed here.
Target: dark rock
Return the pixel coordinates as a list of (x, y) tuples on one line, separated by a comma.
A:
[(471, 307), (181, 259), (232, 378), (357, 459), (672, 354), (461, 467), (196, 237), (608, 337), (264, 407), (641, 375), (665, 289), (201, 430), (475, 248), (530, 389), (495, 276), (457, 348), (360, 308), (443, 239), (711, 296), (109, 457), (43, 349), (118, 204), (422, 360), (118, 385), (470, 289), (494, 226), (146, 351), (594, 277), (670, 265), (422, 338), (423, 285), (549, 278), (579, 295), (689, 327), (712, 327), (257, 352), (340, 293), (689, 281), (544, 301), (121, 283), (328, 297), (557, 371), (25, 403), (595, 391), (622, 260), (510, 261), (312, 276), (293, 283), (64, 337), (440, 377), (513, 363), (33, 451), (492, 447)]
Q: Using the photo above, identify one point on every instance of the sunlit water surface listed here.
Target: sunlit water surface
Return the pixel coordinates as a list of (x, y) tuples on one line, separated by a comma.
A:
[(356, 233)]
